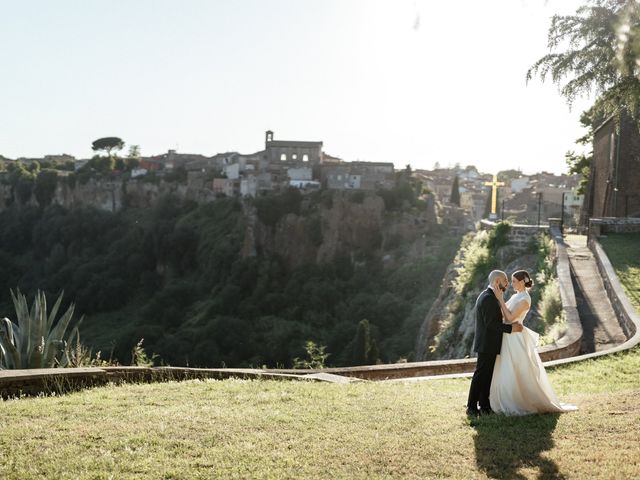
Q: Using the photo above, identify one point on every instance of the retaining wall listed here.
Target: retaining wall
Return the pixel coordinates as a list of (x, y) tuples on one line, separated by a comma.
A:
[(16, 383), (519, 235), (602, 226)]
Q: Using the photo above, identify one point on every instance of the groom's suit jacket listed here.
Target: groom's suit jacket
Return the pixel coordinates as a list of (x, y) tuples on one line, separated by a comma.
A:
[(489, 326)]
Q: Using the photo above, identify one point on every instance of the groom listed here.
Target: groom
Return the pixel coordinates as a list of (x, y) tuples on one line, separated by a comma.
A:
[(489, 329)]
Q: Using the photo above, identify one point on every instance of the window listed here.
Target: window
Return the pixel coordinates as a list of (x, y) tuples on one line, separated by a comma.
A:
[(283, 157), (294, 156), (305, 158)]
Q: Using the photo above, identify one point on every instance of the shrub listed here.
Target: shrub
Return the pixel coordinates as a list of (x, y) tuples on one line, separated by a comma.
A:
[(316, 356)]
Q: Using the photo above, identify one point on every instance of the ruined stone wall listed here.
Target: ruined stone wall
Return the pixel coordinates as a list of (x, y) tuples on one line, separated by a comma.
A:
[(520, 236)]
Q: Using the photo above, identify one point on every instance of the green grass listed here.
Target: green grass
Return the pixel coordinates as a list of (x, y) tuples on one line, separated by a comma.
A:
[(622, 250), (268, 429)]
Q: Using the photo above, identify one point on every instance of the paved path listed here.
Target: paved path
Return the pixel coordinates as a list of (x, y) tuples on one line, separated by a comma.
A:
[(599, 322)]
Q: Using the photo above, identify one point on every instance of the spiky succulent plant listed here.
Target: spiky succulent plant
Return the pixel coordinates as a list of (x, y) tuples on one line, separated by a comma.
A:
[(36, 340)]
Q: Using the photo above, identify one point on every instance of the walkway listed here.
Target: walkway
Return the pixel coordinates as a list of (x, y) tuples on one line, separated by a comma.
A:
[(599, 321)]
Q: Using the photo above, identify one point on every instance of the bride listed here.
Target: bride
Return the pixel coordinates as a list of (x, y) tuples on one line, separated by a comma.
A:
[(520, 384)]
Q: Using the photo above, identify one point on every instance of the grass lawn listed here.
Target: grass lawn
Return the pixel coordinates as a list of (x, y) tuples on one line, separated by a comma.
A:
[(622, 250), (268, 429)]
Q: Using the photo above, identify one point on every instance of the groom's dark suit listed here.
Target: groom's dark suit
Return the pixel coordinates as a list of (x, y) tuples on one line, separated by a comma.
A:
[(489, 329)]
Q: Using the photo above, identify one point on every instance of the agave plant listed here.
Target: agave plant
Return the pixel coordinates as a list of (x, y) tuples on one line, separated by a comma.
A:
[(37, 340)]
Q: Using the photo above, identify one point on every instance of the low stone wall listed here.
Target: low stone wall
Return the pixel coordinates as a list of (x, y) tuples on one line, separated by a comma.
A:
[(519, 235), (17, 383), (626, 313), (603, 226), (569, 344)]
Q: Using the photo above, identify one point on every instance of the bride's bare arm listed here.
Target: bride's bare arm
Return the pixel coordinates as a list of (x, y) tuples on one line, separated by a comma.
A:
[(510, 316)]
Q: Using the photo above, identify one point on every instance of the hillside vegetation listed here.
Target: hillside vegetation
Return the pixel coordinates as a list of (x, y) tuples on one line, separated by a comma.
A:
[(175, 275), (449, 327), (268, 429)]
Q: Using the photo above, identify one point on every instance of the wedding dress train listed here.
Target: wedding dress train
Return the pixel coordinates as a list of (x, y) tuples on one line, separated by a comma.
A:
[(520, 385)]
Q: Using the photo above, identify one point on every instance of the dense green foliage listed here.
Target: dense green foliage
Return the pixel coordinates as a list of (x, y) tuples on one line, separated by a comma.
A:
[(173, 275), (601, 43), (475, 259), (107, 144)]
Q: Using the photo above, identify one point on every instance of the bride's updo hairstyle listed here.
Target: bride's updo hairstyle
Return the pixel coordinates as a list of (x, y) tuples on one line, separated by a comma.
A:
[(524, 275)]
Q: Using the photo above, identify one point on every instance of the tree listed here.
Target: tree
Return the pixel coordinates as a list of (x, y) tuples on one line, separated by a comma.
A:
[(362, 344), (603, 43), (134, 151), (45, 186), (133, 157), (455, 192), (107, 144)]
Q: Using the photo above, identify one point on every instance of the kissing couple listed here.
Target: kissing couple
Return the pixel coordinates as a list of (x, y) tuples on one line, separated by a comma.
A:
[(509, 377)]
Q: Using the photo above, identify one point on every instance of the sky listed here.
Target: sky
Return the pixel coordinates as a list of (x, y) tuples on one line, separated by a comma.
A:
[(403, 81)]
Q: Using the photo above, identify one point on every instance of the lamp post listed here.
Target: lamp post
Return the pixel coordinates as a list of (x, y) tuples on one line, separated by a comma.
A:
[(562, 214), (539, 203)]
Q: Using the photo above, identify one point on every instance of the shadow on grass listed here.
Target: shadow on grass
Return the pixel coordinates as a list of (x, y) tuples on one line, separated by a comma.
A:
[(504, 445)]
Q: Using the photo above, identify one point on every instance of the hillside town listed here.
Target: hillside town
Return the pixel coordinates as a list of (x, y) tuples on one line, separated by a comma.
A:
[(462, 194)]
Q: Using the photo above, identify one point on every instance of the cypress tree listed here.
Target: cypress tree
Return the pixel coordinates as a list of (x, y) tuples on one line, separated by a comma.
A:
[(372, 356), (455, 192), (362, 344)]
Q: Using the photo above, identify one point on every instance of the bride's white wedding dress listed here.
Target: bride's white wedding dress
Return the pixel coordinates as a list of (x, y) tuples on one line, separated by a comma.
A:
[(520, 385)]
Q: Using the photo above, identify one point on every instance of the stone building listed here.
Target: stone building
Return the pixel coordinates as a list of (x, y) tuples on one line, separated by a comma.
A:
[(296, 151), (358, 175), (614, 182)]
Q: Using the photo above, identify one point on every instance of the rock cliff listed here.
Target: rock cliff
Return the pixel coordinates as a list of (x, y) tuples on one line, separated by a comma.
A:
[(320, 233), (448, 329)]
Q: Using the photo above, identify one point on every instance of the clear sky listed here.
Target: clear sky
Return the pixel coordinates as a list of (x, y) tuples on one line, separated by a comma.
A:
[(409, 81)]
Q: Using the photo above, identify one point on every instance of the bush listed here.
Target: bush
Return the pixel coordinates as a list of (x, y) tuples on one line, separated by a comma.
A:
[(272, 208)]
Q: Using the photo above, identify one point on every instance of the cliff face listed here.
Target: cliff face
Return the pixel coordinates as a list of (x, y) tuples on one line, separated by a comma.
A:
[(448, 329), (343, 228), (113, 195)]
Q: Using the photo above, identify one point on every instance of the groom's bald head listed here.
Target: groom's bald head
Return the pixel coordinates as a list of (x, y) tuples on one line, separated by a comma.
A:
[(495, 275)]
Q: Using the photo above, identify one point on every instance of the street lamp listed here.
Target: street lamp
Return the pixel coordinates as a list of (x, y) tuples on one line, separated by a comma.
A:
[(539, 204), (562, 214)]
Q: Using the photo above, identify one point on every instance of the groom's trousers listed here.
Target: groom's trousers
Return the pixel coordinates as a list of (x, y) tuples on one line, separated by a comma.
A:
[(481, 382)]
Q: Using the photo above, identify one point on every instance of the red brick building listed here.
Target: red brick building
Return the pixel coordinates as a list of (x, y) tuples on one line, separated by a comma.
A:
[(614, 183)]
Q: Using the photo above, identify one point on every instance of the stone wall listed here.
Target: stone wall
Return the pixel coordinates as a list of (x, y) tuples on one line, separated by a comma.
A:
[(603, 226), (519, 236), (627, 316), (17, 383), (569, 344)]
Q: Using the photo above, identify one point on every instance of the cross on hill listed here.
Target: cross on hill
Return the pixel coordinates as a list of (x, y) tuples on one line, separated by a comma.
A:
[(494, 190)]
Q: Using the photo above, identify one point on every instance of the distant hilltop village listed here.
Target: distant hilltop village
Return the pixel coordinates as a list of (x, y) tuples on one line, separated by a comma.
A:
[(461, 193), (282, 163)]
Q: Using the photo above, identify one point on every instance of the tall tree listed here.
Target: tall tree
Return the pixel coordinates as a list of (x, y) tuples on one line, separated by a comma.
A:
[(455, 192), (602, 43), (362, 344), (107, 144)]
